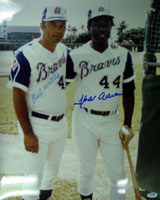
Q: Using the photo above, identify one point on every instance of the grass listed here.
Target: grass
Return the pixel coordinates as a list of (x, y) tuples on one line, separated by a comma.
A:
[(64, 189), (8, 123), (8, 120), (138, 99), (7, 114)]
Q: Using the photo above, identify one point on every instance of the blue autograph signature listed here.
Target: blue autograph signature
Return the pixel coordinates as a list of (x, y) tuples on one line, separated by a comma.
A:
[(103, 96), (36, 95)]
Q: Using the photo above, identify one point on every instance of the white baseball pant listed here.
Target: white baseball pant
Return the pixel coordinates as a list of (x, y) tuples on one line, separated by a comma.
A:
[(91, 132), (44, 164)]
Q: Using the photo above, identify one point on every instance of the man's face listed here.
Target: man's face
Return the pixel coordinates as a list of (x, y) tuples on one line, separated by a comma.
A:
[(100, 29), (53, 31)]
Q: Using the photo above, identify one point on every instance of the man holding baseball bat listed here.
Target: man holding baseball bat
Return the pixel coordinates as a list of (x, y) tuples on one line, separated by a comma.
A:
[(103, 75)]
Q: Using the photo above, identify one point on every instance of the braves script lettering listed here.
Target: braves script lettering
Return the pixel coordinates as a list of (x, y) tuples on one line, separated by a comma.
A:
[(46, 70), (36, 95), (103, 96), (87, 68)]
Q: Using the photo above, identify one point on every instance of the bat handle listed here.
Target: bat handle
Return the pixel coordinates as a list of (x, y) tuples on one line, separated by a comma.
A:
[(134, 180)]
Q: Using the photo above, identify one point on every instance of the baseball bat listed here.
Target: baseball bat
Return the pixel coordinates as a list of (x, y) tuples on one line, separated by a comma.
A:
[(134, 179)]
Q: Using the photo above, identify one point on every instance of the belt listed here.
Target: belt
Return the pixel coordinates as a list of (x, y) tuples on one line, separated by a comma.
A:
[(102, 113), (47, 117)]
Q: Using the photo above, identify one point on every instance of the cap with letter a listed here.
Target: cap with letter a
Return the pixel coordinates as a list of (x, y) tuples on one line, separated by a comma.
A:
[(99, 12), (52, 13)]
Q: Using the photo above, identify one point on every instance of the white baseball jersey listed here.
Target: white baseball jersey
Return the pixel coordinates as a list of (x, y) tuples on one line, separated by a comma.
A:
[(41, 74), (101, 77)]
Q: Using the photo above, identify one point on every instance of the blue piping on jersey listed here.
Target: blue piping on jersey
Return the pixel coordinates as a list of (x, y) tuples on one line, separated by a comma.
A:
[(103, 96), (22, 71)]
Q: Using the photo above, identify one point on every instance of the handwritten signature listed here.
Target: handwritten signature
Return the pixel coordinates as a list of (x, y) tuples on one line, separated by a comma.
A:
[(36, 95), (103, 96)]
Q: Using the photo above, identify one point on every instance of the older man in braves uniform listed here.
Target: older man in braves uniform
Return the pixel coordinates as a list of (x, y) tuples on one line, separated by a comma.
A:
[(38, 80), (103, 74)]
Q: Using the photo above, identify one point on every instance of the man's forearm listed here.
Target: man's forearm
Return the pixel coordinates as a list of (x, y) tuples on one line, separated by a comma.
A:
[(128, 106), (21, 109)]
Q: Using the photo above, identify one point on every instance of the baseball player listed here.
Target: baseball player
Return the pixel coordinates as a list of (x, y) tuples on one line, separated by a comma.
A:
[(38, 80), (103, 75)]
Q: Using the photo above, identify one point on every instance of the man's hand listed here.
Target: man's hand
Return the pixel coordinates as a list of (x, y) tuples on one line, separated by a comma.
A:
[(114, 45), (31, 143), (126, 134)]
